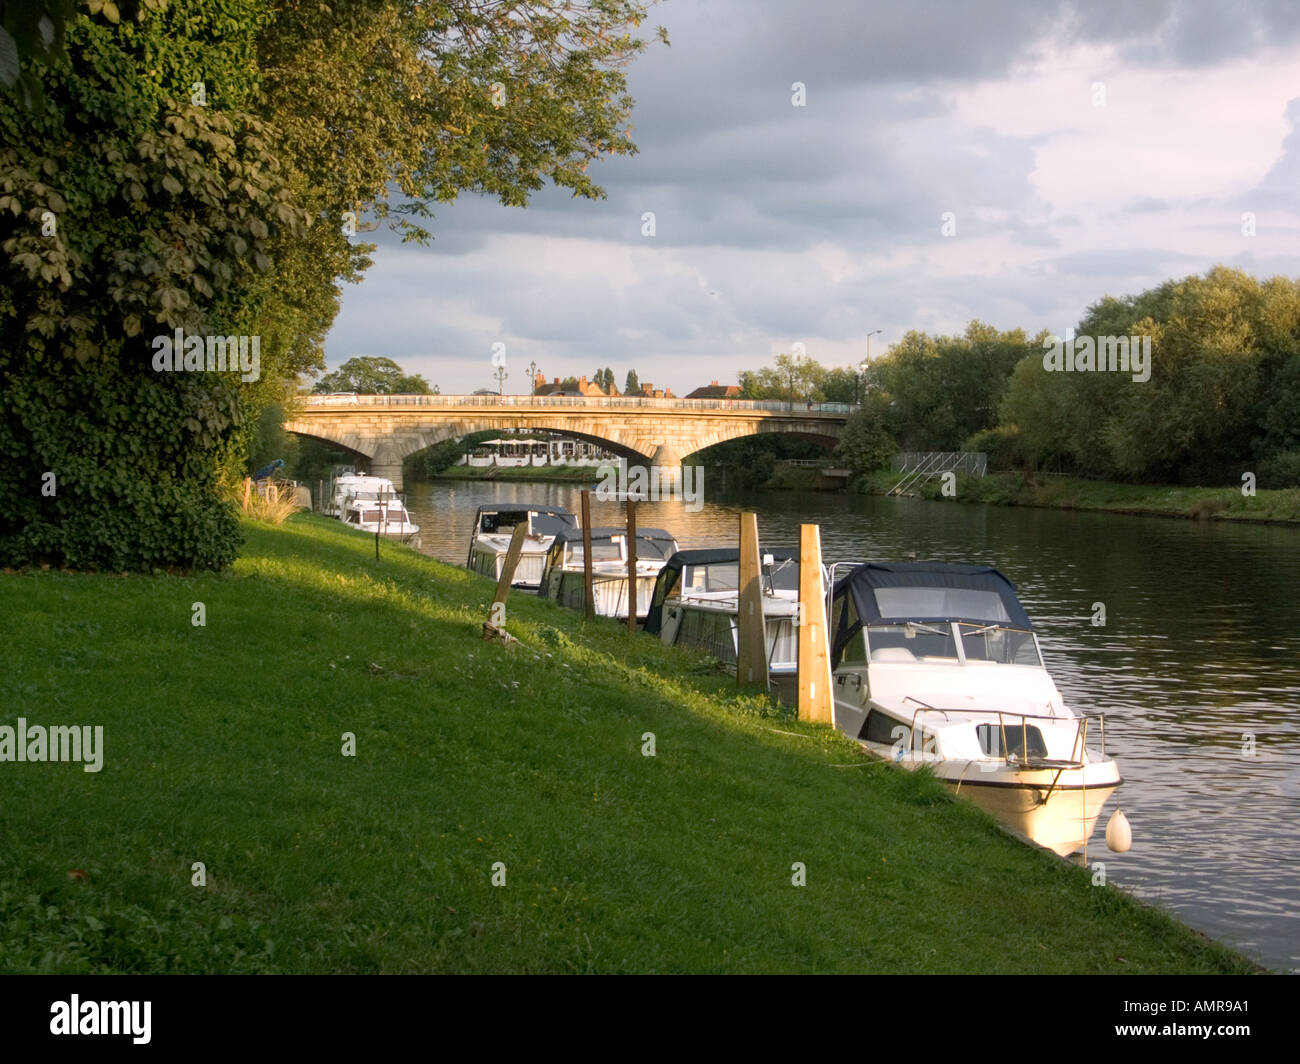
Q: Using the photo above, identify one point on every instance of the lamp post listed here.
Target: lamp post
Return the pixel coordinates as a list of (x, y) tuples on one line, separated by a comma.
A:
[(857, 392), (532, 378), (501, 376)]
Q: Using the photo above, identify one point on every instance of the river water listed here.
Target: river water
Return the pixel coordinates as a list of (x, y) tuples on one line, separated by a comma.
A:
[(1197, 666)]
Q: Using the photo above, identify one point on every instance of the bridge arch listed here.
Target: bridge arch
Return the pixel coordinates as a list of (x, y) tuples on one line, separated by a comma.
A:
[(386, 429)]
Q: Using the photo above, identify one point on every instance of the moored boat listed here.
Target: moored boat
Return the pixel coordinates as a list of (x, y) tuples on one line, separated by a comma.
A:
[(386, 515), (938, 664), (563, 577), (494, 525), (697, 600)]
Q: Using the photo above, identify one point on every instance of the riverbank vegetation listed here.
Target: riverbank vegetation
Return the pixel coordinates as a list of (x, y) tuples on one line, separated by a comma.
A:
[(1216, 405), (231, 744), (1280, 506)]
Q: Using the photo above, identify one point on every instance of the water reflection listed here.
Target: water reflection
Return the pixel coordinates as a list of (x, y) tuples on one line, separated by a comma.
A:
[(1197, 666)]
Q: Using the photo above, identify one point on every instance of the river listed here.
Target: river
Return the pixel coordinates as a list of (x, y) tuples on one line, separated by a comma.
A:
[(1197, 666)]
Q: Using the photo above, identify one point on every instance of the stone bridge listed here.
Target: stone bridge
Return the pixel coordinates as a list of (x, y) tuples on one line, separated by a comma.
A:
[(387, 428)]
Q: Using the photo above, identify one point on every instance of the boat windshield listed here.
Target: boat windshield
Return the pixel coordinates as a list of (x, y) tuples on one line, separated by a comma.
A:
[(782, 575), (602, 550), (913, 641), (999, 643)]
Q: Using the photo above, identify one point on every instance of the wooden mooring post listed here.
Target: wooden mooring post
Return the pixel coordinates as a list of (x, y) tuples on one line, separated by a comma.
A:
[(751, 629), (495, 626), (588, 592), (815, 699), (631, 566)]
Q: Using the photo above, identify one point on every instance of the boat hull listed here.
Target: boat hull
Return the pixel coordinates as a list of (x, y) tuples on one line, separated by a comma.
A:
[(528, 572), (1050, 807)]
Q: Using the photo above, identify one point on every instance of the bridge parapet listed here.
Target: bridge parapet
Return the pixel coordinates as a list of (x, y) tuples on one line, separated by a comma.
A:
[(343, 401)]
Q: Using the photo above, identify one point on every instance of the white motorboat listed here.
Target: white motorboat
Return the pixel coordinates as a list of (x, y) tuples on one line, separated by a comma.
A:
[(563, 575), (386, 515), (697, 600), (937, 664), (494, 526), (347, 487)]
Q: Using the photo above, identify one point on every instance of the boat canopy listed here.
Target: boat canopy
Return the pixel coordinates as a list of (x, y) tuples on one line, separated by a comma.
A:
[(546, 521), (897, 592), (670, 575), (574, 535)]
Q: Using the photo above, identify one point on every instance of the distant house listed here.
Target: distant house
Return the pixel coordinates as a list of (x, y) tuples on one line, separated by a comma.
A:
[(584, 388), (649, 391), (716, 391)]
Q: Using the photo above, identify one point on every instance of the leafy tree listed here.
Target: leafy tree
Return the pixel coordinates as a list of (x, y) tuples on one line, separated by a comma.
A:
[(631, 386), (865, 445), (1218, 401), (231, 208), (119, 227), (372, 375)]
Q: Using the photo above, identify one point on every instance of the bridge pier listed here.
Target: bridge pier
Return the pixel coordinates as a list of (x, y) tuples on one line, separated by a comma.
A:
[(387, 463), (668, 463)]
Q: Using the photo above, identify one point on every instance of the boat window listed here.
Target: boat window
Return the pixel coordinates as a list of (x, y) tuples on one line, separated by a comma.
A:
[(654, 550), (855, 650), (990, 738), (919, 641), (941, 602), (882, 728), (375, 516), (605, 550), (720, 576), (502, 523), (994, 642)]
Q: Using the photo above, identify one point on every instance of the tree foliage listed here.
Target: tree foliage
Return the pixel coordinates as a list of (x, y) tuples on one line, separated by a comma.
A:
[(1222, 399), (208, 166), (372, 375)]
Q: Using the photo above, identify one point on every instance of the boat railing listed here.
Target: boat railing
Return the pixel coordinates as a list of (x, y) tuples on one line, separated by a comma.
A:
[(1078, 747)]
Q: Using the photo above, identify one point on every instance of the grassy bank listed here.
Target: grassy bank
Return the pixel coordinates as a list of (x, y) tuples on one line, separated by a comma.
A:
[(562, 474), (1069, 493), (223, 745)]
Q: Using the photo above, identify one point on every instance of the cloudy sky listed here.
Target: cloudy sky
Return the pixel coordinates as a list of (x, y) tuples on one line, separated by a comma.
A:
[(1081, 150)]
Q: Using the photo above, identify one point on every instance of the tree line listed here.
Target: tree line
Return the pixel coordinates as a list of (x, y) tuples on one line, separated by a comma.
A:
[(1220, 397)]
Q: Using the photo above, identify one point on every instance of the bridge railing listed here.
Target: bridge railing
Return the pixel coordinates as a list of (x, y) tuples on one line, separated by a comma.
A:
[(346, 400)]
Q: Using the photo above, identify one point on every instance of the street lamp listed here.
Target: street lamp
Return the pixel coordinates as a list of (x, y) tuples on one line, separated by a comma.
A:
[(857, 391), (532, 377), (501, 376)]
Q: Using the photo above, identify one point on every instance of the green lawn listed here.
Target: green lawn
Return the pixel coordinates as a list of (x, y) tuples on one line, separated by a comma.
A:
[(222, 745)]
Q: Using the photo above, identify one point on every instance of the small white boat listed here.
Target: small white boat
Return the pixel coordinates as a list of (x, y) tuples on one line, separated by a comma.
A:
[(347, 487), (387, 516), (937, 664), (563, 576), (697, 599), (495, 525)]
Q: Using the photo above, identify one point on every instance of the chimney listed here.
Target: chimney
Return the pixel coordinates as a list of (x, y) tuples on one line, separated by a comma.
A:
[(557, 380), (540, 380), (714, 384), (582, 381)]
